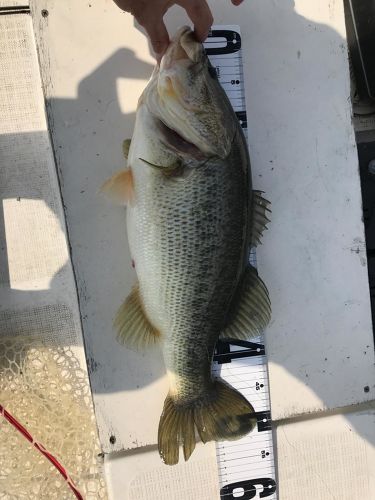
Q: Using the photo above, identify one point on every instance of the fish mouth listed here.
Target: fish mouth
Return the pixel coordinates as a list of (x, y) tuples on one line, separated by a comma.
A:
[(184, 52), (184, 98), (182, 46)]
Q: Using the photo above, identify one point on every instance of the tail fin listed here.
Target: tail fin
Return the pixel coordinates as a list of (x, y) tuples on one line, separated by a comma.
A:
[(223, 415)]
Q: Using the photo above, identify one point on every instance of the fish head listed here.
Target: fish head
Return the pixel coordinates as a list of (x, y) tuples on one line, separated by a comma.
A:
[(189, 100)]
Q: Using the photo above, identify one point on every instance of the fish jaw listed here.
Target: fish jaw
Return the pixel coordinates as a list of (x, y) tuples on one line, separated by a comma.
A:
[(183, 46), (185, 95)]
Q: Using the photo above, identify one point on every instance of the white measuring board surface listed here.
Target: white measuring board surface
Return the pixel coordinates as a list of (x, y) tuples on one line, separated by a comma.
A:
[(246, 466)]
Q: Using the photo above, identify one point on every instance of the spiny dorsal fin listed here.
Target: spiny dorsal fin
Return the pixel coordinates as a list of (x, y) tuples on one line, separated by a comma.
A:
[(133, 327), (260, 219), (120, 187), (125, 147), (252, 309)]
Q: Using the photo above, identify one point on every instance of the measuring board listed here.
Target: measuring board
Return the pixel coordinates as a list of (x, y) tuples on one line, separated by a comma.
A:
[(247, 466)]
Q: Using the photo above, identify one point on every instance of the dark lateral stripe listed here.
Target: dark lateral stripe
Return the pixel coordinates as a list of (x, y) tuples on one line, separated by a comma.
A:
[(16, 9)]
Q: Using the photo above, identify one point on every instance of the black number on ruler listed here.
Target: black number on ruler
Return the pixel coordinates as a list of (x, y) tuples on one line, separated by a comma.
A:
[(233, 42), (264, 422), (223, 353), (242, 118), (249, 489)]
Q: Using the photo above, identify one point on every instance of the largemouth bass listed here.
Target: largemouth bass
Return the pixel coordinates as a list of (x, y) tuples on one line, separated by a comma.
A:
[(192, 218)]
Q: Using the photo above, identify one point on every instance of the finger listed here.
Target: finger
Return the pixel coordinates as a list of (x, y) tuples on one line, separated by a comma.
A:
[(201, 16), (123, 4), (237, 2), (157, 33)]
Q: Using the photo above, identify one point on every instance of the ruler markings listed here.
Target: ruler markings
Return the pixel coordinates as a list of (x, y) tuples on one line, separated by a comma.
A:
[(235, 94), (254, 449), (245, 456), (250, 468), (247, 466), (256, 362), (242, 453), (249, 472), (227, 57), (242, 375), (257, 439)]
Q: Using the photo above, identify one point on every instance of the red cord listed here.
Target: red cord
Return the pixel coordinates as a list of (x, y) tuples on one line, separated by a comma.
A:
[(42, 450)]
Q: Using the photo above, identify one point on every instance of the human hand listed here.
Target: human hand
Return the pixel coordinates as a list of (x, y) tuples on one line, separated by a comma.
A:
[(150, 13)]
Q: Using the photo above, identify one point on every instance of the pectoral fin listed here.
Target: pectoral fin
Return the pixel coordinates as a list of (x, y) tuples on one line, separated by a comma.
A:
[(120, 187), (260, 219), (251, 308), (133, 327)]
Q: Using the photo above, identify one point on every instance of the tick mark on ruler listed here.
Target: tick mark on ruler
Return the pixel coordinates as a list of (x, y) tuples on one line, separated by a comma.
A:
[(242, 363)]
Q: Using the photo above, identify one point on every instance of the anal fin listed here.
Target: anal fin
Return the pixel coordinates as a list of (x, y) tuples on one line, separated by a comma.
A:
[(260, 220), (251, 310), (133, 327)]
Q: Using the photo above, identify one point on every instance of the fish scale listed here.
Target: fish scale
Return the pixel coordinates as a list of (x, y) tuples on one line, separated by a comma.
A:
[(247, 466)]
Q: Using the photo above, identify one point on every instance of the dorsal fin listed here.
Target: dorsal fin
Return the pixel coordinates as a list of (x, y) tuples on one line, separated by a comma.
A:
[(251, 310), (260, 219)]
